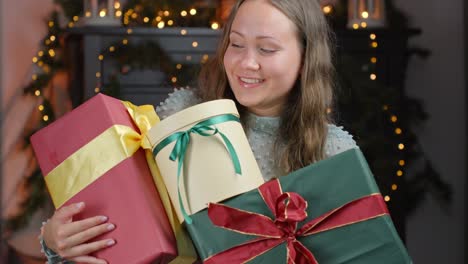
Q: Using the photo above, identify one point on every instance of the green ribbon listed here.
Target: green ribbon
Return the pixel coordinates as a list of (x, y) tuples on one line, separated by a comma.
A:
[(182, 139)]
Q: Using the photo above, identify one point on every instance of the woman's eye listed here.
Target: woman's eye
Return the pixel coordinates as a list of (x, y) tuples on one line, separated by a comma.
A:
[(236, 45), (265, 50)]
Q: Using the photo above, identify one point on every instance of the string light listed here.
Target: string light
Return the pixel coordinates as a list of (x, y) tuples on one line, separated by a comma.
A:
[(373, 60), (183, 32), (398, 131), (372, 36), (45, 118), (51, 53), (170, 22), (194, 44), (40, 108), (193, 11), (111, 48), (399, 173), (161, 24), (166, 13), (179, 66), (374, 44), (146, 19), (401, 163), (387, 198), (51, 23), (34, 77), (363, 24), (34, 59), (96, 90), (37, 93), (75, 18), (125, 41), (52, 38), (373, 76), (355, 26), (394, 187), (215, 25), (401, 146), (183, 13), (101, 57), (365, 14), (98, 75), (327, 9), (174, 79)]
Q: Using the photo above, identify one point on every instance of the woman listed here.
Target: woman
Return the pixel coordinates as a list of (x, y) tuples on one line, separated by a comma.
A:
[(274, 61)]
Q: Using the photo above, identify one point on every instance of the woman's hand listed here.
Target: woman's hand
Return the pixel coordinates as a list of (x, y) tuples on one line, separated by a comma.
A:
[(69, 239)]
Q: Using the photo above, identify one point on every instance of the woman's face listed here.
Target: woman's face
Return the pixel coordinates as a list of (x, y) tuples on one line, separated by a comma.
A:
[(263, 59)]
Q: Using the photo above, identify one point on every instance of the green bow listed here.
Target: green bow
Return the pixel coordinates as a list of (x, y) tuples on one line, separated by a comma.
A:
[(182, 139)]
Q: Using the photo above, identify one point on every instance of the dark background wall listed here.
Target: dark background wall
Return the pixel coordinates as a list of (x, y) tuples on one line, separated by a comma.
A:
[(435, 234)]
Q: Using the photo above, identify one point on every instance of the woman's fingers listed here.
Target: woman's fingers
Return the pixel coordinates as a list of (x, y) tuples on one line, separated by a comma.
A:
[(88, 234), (85, 249), (88, 259), (73, 228), (65, 237), (66, 213)]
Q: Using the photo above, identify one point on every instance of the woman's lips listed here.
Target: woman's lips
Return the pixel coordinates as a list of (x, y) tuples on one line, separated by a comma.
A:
[(249, 82)]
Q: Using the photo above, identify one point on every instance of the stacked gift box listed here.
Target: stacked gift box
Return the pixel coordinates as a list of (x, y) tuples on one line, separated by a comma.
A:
[(327, 212)]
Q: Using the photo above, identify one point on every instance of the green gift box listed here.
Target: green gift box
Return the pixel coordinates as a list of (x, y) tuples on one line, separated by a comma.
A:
[(328, 212)]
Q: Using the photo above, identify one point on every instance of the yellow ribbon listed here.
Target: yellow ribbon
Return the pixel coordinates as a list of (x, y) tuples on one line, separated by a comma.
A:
[(104, 152), (101, 154)]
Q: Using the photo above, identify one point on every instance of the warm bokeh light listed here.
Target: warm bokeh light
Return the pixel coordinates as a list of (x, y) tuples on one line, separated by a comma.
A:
[(327, 9)]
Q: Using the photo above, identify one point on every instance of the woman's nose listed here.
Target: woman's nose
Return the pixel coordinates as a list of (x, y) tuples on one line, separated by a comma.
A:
[(250, 61)]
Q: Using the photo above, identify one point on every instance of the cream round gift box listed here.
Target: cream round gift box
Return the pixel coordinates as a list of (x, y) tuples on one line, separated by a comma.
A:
[(208, 171)]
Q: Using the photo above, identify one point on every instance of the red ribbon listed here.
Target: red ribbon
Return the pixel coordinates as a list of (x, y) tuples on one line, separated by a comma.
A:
[(289, 209)]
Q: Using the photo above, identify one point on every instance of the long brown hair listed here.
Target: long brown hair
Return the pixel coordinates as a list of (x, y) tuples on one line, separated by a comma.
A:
[(303, 129)]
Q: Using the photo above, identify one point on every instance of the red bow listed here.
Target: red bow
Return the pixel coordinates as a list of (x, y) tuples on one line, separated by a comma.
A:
[(289, 209)]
